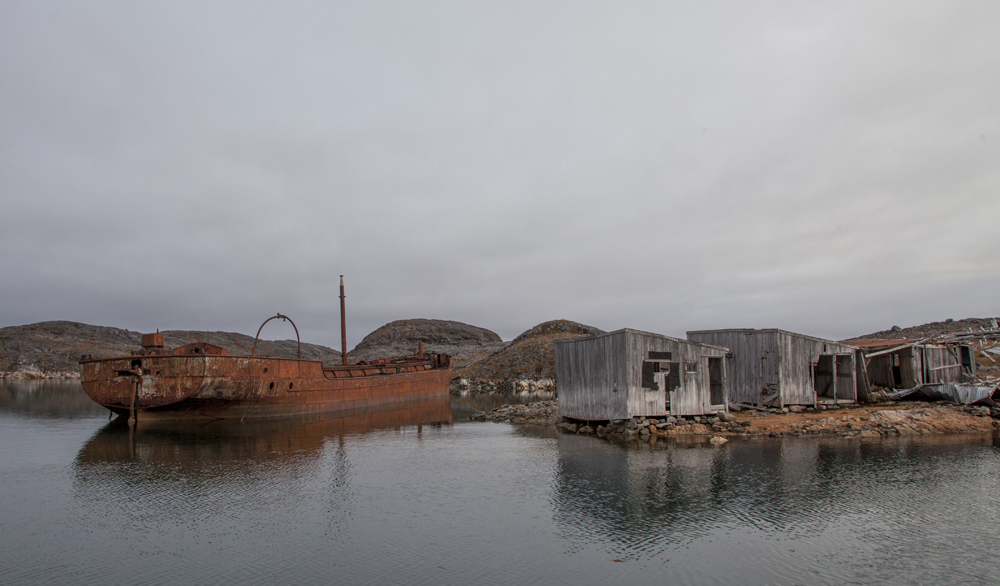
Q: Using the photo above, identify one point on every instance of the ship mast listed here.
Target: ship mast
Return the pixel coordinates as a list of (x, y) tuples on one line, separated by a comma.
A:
[(343, 325)]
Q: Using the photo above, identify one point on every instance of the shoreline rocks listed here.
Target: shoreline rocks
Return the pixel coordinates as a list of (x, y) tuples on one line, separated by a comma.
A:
[(856, 422), (31, 374), (537, 413), (543, 386)]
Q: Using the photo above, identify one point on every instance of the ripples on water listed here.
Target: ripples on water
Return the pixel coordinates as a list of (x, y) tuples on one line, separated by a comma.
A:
[(372, 499)]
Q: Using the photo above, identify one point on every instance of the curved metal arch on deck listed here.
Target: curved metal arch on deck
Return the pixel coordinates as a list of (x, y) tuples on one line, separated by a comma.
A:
[(298, 341)]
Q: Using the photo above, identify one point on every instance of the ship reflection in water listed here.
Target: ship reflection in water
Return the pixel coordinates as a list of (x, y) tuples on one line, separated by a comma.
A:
[(405, 495), (255, 440)]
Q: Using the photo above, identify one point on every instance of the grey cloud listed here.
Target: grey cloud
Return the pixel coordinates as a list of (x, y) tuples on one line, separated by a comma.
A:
[(830, 169)]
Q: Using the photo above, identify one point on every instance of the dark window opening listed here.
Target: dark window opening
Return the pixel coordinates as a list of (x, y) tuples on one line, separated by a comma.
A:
[(717, 393), (674, 377), (823, 382), (967, 366), (137, 364), (649, 370), (271, 386), (654, 355), (690, 367), (289, 386)]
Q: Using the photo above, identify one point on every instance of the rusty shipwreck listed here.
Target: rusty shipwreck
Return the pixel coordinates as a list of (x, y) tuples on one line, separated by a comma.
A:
[(202, 380)]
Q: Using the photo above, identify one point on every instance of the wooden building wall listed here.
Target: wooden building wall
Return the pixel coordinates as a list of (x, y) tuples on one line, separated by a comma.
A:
[(925, 363), (601, 378), (752, 364), (799, 353), (776, 368), (881, 370), (945, 364), (591, 377)]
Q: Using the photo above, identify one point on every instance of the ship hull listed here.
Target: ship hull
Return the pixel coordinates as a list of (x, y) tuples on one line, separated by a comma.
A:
[(236, 387)]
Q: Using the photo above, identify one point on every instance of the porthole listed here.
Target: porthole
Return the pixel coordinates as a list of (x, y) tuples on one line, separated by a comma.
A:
[(265, 371), (289, 386), (271, 386)]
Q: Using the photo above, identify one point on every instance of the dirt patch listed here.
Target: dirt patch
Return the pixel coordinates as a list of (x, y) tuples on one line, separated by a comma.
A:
[(903, 419)]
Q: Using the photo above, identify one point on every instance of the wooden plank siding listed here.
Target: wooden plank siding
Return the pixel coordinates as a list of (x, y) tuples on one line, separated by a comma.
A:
[(601, 377), (772, 367), (911, 366), (591, 378), (943, 364)]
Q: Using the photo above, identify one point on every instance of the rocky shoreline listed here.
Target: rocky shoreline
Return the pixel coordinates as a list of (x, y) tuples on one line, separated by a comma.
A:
[(875, 421), (537, 413), (36, 374), (464, 386), (865, 422)]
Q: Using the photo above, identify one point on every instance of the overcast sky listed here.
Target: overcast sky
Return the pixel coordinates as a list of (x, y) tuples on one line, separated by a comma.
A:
[(827, 168)]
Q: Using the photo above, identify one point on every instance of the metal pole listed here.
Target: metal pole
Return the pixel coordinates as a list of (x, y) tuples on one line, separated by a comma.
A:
[(343, 324)]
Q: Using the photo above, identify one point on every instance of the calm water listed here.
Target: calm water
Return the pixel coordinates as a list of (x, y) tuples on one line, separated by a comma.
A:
[(336, 502)]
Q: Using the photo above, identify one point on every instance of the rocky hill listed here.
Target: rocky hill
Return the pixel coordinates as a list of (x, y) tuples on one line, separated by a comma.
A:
[(948, 326), (465, 343), (52, 349), (527, 364)]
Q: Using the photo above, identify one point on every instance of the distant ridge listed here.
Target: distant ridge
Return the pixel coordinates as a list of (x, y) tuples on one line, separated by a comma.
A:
[(465, 343), (927, 330), (51, 349)]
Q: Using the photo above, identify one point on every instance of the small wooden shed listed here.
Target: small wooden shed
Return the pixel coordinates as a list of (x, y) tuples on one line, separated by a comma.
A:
[(904, 364), (775, 368), (628, 373)]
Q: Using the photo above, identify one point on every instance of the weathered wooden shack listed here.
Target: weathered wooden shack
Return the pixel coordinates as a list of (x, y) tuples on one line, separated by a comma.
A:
[(628, 373), (775, 368), (904, 364)]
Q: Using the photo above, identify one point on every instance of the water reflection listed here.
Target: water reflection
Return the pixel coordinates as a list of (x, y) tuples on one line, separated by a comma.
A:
[(47, 398), (469, 404), (304, 499), (185, 443), (761, 504)]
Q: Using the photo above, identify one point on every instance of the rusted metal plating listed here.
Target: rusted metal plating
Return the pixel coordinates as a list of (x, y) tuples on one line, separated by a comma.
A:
[(202, 380)]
